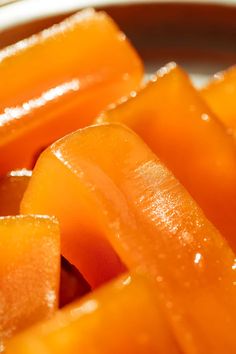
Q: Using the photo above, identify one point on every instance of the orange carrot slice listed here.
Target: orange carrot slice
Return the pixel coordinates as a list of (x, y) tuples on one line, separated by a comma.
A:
[(105, 185), (58, 81), (178, 126), (220, 95), (122, 317), (12, 188), (29, 272)]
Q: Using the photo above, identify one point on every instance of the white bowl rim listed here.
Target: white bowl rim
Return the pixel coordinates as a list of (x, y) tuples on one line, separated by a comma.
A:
[(23, 11)]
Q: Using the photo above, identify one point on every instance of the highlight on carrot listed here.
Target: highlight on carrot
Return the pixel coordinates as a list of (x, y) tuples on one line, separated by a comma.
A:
[(29, 277), (117, 193), (123, 316), (171, 117), (220, 95), (59, 80)]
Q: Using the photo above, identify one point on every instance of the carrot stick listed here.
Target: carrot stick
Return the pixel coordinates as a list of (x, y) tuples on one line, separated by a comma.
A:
[(178, 126), (122, 317), (58, 81), (113, 197), (29, 277), (220, 95)]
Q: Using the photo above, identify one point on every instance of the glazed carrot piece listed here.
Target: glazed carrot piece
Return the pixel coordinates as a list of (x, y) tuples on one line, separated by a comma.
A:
[(122, 317), (12, 188), (116, 190), (172, 119), (220, 95), (58, 81), (29, 277)]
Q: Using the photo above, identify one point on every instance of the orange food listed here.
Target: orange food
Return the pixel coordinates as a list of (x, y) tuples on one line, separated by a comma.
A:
[(122, 317), (220, 95), (116, 190), (58, 81), (178, 126), (29, 272), (12, 188)]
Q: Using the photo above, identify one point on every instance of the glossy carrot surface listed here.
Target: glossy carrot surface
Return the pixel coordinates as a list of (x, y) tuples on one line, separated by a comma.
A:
[(175, 122), (220, 95), (108, 189), (58, 80), (29, 272), (122, 317), (12, 188)]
